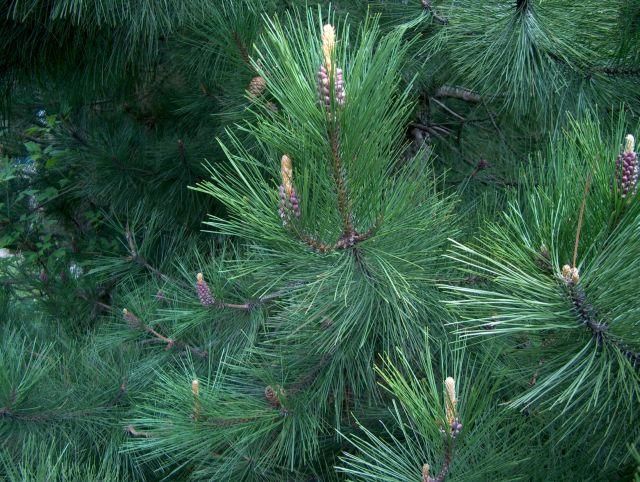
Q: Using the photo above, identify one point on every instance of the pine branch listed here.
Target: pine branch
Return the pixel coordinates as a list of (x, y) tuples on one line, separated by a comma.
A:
[(588, 316), (131, 430), (244, 53), (456, 92), (135, 322), (426, 4), (444, 471), (208, 300), (619, 71), (580, 218), (344, 204), (135, 256)]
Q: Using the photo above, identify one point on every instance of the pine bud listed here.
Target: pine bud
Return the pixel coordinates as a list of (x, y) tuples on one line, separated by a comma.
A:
[(451, 401), (204, 293), (456, 427), (132, 319), (283, 205), (575, 276), (627, 168), (325, 71), (272, 396), (570, 275), (257, 86), (324, 87), (328, 44), (425, 473), (195, 387), (289, 201), (286, 171)]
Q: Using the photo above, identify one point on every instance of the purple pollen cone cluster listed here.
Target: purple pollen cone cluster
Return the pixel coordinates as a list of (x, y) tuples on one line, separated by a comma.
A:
[(627, 169), (456, 427), (339, 87), (324, 87), (204, 293), (289, 203)]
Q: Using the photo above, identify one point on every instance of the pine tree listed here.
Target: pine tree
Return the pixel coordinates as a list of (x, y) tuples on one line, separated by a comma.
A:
[(321, 229)]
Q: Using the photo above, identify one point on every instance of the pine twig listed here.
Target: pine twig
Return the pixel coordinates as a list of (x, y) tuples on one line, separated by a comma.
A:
[(208, 300), (136, 257), (588, 316), (446, 464), (449, 110), (344, 204), (316, 245), (131, 430), (426, 4), (242, 49), (619, 71), (456, 92), (135, 322), (580, 218)]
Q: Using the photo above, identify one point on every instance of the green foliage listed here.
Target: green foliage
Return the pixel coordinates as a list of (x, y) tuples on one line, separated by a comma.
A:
[(41, 462), (46, 239), (421, 433), (527, 53), (581, 341)]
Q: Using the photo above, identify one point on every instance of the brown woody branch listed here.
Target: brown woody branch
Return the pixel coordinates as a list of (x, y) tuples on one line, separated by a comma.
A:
[(446, 465), (619, 71), (456, 92), (244, 53), (131, 430), (135, 322), (344, 204), (350, 236), (426, 4), (588, 316)]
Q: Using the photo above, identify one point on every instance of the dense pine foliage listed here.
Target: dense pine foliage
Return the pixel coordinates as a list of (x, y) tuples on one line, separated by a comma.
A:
[(393, 240)]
